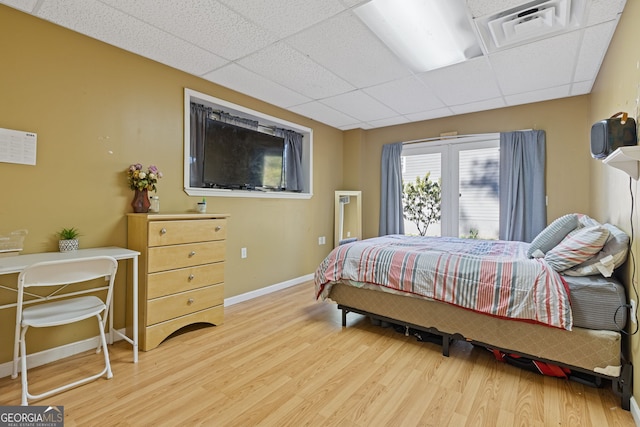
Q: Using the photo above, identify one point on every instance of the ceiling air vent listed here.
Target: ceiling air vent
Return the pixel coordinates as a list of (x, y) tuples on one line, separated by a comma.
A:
[(529, 22)]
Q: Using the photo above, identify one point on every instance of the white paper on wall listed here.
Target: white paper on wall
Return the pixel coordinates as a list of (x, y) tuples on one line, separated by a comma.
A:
[(18, 146)]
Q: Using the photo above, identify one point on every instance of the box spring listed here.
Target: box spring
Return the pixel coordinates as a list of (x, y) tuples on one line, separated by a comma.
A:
[(596, 351)]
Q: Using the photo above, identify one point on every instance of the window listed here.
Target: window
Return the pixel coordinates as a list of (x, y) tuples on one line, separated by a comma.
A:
[(193, 154), (468, 169)]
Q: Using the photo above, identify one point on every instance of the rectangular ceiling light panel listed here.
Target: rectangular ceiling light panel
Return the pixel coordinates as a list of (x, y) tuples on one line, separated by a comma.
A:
[(425, 34)]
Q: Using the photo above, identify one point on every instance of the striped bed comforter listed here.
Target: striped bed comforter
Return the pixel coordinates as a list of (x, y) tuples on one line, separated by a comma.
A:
[(488, 276)]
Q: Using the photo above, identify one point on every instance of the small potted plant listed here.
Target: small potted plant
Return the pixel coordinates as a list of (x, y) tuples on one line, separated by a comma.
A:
[(68, 239)]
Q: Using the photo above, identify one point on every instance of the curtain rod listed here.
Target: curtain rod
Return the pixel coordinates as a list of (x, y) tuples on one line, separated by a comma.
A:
[(448, 137), (453, 137)]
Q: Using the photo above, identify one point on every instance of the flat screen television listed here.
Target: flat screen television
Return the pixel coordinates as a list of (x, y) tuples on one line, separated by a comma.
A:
[(240, 158)]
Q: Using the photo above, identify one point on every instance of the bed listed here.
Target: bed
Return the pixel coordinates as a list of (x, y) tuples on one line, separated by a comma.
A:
[(553, 300)]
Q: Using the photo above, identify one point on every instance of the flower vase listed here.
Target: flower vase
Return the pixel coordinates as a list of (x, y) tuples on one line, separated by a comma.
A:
[(140, 202)]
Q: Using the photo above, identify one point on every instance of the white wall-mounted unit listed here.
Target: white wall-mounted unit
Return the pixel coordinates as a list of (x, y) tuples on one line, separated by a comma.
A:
[(626, 159)]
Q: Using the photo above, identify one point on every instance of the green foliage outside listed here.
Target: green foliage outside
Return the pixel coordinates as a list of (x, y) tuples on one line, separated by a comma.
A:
[(473, 234), (421, 202)]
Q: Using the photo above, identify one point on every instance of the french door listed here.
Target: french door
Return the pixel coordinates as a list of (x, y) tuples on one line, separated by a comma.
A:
[(468, 170)]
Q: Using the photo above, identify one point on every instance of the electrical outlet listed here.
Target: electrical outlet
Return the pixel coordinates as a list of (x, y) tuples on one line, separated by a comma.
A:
[(243, 253), (634, 317), (322, 240)]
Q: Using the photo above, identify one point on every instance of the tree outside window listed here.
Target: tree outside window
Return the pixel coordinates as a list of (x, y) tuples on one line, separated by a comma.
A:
[(421, 202)]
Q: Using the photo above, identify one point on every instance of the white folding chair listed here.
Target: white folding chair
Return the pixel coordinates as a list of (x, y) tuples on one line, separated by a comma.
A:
[(62, 311)]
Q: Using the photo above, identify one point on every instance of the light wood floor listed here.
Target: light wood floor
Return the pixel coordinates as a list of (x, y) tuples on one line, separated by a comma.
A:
[(284, 360)]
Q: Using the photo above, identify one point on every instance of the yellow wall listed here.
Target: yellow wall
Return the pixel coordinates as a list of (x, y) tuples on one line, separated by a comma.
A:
[(565, 122), (617, 89), (97, 109)]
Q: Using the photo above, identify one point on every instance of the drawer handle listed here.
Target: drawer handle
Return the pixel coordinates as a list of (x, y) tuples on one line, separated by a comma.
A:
[(218, 227), (163, 231), (192, 253), (190, 301), (191, 276)]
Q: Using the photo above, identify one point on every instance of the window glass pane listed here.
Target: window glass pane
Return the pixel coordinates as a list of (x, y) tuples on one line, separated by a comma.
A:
[(420, 165), (478, 209)]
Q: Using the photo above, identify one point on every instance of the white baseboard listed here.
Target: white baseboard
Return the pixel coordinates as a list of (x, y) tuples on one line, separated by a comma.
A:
[(269, 289), (57, 353), (635, 411)]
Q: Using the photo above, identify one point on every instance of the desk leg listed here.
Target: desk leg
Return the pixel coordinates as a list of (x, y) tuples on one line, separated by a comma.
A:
[(135, 309), (134, 336)]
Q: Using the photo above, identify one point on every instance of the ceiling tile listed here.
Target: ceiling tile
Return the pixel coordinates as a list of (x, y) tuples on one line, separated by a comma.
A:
[(244, 81), (24, 5), (288, 67), (204, 23), (539, 95), (317, 59), (604, 10), (469, 81), (429, 115), (534, 66), (286, 17), (408, 95), (96, 20), (581, 88), (324, 114), (347, 47), (488, 104), (489, 7), (592, 50), (391, 121), (361, 125), (359, 105), (353, 3)]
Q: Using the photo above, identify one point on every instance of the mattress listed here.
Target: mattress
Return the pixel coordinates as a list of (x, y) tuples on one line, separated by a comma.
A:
[(593, 350), (597, 302)]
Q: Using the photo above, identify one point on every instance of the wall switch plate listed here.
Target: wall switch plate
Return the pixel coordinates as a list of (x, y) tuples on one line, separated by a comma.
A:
[(243, 253), (322, 240)]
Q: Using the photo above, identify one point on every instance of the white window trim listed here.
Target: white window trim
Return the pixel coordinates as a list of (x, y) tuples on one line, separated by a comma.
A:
[(449, 147), (264, 119)]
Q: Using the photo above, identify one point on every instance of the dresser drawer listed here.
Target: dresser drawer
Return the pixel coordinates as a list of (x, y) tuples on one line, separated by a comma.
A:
[(179, 256), (176, 305), (187, 231), (184, 279)]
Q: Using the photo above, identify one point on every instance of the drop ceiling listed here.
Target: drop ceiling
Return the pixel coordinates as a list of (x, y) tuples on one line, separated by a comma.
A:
[(317, 59)]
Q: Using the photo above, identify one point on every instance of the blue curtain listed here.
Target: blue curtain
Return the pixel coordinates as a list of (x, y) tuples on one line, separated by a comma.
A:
[(292, 160), (523, 211), (199, 114), (391, 216)]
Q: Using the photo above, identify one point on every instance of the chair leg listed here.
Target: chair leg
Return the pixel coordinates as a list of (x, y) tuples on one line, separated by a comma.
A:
[(23, 361), (16, 353), (105, 350), (23, 369)]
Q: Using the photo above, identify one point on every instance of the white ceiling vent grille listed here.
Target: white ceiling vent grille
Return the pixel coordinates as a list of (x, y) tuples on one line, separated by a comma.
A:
[(529, 22)]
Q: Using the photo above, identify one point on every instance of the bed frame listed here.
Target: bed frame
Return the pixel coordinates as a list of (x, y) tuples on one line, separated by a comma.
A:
[(597, 353)]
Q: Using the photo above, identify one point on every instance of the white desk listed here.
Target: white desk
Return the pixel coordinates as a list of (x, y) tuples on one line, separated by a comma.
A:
[(15, 264)]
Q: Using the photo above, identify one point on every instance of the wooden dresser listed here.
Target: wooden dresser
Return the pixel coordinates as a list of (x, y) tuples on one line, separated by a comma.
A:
[(181, 271)]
